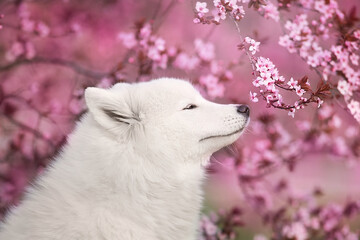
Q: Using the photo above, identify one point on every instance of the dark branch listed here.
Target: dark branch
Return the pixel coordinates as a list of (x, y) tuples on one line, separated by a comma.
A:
[(29, 129), (56, 61)]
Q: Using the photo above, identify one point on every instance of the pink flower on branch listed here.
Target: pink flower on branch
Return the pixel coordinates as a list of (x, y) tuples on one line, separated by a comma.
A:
[(128, 39), (205, 51), (201, 7), (270, 11), (253, 97), (253, 45), (222, 8), (271, 83)]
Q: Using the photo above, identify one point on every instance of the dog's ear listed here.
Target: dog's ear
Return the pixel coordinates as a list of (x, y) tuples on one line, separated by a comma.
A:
[(110, 109)]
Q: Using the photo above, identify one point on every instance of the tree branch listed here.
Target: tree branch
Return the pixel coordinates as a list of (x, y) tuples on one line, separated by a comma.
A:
[(56, 61), (36, 133)]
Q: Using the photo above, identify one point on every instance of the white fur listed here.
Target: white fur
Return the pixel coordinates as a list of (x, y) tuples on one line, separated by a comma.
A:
[(131, 180)]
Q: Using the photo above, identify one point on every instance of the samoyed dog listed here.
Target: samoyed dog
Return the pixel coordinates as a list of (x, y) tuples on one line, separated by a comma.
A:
[(132, 169)]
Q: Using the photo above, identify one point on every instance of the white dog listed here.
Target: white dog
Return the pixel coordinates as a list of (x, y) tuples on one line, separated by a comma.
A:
[(132, 169)]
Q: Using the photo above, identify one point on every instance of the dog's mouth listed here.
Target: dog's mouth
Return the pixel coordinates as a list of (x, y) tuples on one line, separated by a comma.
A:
[(222, 135)]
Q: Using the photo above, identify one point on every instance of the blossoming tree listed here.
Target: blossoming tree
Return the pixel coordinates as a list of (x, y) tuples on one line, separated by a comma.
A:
[(51, 51)]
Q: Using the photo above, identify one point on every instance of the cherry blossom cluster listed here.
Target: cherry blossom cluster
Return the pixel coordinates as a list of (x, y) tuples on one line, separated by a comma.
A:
[(34, 125), (338, 62), (23, 47), (269, 11), (305, 37), (152, 47), (277, 147), (222, 8), (250, 45), (295, 216), (304, 218), (29, 25), (233, 9), (270, 83), (228, 220), (152, 51), (301, 218), (267, 75)]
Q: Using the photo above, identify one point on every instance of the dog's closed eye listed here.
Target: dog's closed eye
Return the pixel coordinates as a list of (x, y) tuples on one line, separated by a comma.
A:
[(190, 106), (116, 116)]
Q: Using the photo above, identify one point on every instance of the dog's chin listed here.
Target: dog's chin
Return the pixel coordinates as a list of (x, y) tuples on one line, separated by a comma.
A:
[(231, 136), (234, 134)]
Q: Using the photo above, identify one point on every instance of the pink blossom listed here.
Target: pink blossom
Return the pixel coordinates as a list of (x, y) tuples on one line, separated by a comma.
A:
[(128, 39), (201, 7), (160, 44), (162, 62), (254, 46), (286, 42), (75, 27), (253, 97), (354, 107), (42, 29), (335, 122), (15, 51), (214, 88), (315, 224), (27, 25), (303, 125), (291, 112), (154, 54), (23, 11), (307, 3), (238, 12), (354, 59), (171, 51), (232, 3), (196, 20), (105, 82), (344, 88), (319, 102), (56, 107), (327, 9), (270, 11), (295, 230), (299, 91), (208, 80), (357, 34), (30, 50), (206, 51), (325, 112), (184, 61), (217, 3), (229, 74), (219, 13), (76, 106), (145, 31), (292, 83), (208, 226), (340, 147), (351, 131), (257, 82)]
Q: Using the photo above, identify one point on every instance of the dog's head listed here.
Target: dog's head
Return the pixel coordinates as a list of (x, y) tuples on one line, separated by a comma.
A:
[(169, 115)]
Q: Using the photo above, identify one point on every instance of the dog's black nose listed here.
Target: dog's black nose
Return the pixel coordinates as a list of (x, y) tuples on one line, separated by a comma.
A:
[(244, 109)]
